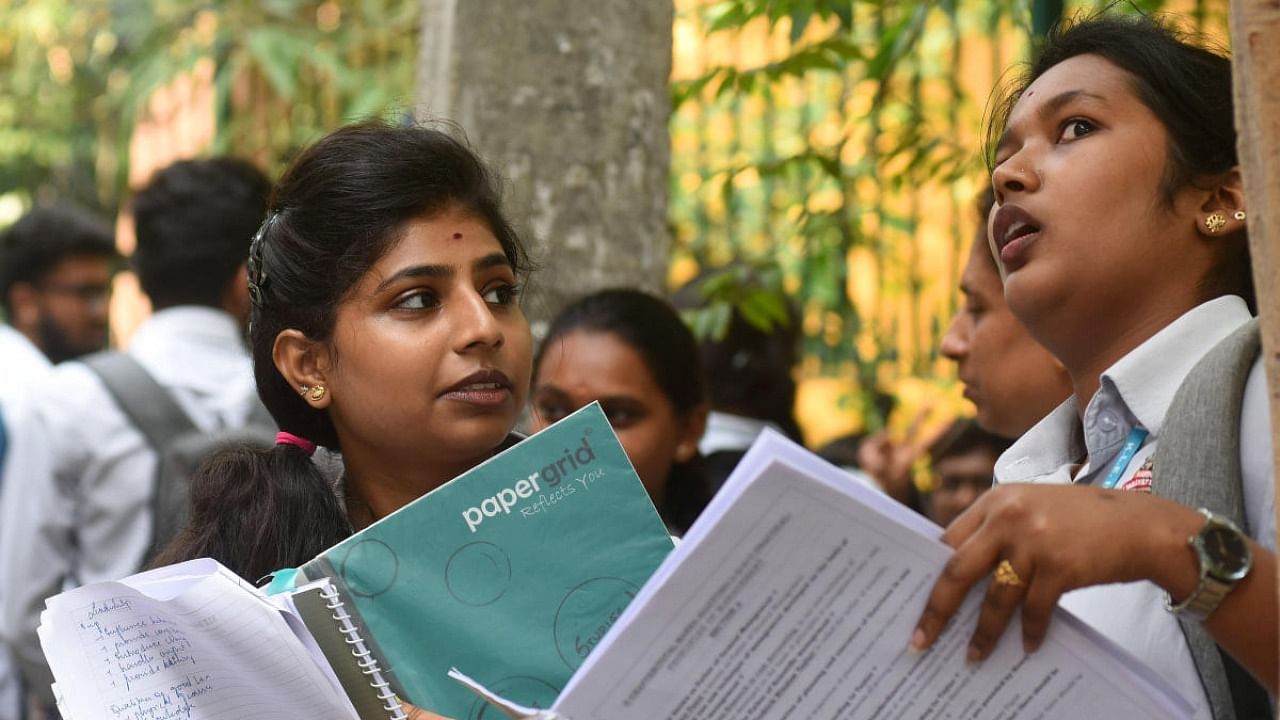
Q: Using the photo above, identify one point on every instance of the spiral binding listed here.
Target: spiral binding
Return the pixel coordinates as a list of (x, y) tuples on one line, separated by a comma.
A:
[(364, 655)]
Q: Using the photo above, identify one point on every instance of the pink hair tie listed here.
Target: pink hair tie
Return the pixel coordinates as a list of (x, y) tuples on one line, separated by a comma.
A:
[(288, 438)]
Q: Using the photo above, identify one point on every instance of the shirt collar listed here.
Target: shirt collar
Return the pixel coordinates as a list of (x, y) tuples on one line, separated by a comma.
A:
[(193, 322), (1136, 391), (15, 342), (1047, 451), (730, 432), (1146, 379)]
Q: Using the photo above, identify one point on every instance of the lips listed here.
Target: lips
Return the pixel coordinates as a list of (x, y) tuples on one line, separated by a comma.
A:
[(1013, 230), (484, 387)]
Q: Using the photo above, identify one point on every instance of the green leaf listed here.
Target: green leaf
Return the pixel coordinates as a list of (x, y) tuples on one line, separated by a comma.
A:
[(799, 23), (273, 58), (727, 15), (897, 40)]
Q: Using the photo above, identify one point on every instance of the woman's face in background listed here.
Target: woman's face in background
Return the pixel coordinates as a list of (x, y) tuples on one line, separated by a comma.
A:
[(583, 366), (1009, 377)]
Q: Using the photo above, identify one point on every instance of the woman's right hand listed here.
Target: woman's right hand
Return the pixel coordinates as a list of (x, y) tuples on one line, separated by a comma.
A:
[(1053, 539)]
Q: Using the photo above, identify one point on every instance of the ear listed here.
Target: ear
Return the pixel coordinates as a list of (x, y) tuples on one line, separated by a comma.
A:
[(1224, 207), (691, 429), (304, 363), (235, 295), (24, 301)]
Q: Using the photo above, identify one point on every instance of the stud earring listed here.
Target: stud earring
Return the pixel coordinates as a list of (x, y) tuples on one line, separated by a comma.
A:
[(1239, 215), (302, 389), (1215, 222), (317, 393)]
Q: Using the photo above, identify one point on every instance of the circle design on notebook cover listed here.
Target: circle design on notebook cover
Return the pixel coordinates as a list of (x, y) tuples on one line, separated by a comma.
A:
[(586, 613), (369, 568), (523, 689), (478, 573)]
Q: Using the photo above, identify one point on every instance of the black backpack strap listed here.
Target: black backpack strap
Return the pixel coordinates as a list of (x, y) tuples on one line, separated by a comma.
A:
[(4, 441), (150, 407), (1197, 463)]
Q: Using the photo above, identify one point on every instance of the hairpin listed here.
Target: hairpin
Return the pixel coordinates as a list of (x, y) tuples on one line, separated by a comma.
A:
[(258, 276)]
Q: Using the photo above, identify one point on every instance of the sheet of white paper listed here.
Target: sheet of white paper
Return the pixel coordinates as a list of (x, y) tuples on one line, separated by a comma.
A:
[(794, 599), (213, 649), (512, 710), (284, 602)]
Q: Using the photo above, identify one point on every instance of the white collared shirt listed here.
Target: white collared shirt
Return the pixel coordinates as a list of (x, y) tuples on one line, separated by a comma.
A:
[(21, 365), (76, 507), (1137, 391)]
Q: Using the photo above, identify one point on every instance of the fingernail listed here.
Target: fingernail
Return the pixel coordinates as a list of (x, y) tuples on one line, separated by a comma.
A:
[(917, 642), (973, 655)]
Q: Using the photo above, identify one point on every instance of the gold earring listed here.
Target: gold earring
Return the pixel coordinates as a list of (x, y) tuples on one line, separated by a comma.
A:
[(317, 393), (1215, 222), (1239, 215)]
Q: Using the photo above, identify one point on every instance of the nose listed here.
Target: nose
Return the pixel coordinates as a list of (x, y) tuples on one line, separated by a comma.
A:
[(966, 495), (476, 325), (1014, 175), (955, 342), (98, 309)]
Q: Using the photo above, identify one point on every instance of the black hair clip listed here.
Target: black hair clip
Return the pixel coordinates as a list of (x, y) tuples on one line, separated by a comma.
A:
[(258, 277)]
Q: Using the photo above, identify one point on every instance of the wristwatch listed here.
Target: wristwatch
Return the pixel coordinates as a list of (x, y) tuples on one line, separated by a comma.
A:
[(1223, 553)]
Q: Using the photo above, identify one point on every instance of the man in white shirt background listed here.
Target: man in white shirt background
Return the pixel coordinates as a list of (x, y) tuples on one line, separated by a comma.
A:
[(77, 506), (56, 265)]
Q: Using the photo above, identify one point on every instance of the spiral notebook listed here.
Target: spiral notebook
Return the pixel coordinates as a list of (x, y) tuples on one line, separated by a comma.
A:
[(512, 572), (194, 641), (349, 649)]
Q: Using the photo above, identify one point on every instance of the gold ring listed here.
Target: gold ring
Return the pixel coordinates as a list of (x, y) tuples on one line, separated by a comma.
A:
[(1006, 575)]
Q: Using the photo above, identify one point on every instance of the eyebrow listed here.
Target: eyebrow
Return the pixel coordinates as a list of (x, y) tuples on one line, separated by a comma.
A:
[(443, 272), (1052, 106)]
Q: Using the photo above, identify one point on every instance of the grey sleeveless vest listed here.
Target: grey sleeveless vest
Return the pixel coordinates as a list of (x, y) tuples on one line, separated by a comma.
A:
[(1197, 463)]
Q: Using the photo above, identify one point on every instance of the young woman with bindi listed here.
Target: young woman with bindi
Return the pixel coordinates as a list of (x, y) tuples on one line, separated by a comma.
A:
[(633, 353), (385, 327), (1120, 229)]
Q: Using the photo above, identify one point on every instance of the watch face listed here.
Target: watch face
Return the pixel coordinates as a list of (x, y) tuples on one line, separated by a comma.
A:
[(1226, 550)]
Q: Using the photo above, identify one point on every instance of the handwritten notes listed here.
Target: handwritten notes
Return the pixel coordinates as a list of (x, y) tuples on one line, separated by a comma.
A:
[(209, 648)]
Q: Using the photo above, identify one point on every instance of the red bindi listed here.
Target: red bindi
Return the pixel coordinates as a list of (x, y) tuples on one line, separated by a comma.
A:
[(457, 236)]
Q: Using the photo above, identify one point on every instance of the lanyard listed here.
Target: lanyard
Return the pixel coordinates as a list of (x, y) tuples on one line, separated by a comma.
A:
[(1131, 445)]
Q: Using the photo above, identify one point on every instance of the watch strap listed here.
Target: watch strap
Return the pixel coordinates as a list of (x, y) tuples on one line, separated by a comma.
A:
[(1210, 591), (1202, 601)]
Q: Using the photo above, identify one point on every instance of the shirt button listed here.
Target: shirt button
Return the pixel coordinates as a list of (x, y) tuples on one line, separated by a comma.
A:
[(1107, 422)]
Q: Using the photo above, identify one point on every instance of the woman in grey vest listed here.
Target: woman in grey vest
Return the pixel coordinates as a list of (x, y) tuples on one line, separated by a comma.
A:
[(1119, 230)]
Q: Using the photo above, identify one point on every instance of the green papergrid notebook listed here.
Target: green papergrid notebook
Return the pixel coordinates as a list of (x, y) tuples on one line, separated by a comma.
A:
[(511, 572)]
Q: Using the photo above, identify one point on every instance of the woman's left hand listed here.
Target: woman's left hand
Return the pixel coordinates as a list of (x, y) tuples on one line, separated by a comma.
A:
[(417, 713), (1044, 540)]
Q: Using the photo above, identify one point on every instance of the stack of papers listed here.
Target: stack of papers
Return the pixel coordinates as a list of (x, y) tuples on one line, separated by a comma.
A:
[(795, 596)]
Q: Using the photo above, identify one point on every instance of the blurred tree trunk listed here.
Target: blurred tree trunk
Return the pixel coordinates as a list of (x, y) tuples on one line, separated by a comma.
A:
[(1255, 40), (570, 101)]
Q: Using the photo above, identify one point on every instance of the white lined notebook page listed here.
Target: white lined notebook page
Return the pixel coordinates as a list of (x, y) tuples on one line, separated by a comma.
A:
[(168, 645)]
